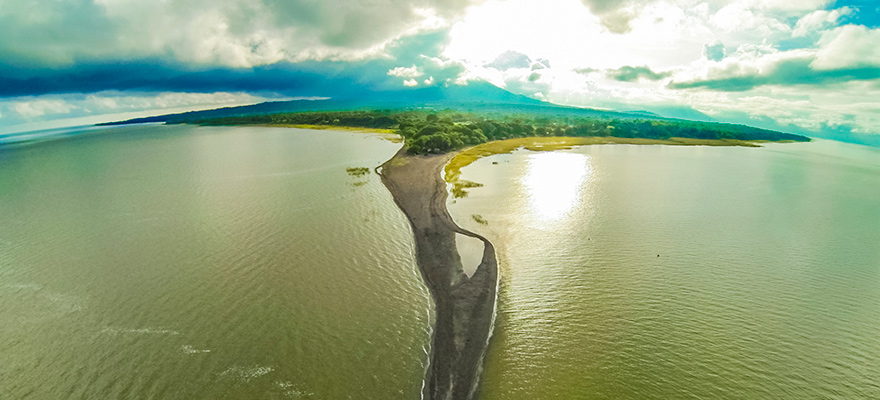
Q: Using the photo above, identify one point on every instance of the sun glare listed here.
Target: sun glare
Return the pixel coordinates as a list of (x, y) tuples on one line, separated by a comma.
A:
[(538, 29), (553, 182)]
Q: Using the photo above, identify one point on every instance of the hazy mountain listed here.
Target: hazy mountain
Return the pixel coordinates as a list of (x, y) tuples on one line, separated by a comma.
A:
[(475, 96)]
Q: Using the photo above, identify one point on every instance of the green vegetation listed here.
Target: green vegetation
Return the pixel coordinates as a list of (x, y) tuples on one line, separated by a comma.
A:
[(358, 171), (443, 132), (435, 132), (479, 219), (355, 119), (459, 187), (452, 171)]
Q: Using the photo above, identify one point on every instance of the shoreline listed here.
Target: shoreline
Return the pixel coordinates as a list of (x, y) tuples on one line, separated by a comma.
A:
[(465, 307), (467, 156)]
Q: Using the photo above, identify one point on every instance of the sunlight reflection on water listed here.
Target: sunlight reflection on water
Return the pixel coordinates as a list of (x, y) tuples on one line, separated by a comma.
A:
[(553, 182)]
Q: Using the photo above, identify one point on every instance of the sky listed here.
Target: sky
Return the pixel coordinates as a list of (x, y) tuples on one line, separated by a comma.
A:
[(806, 66)]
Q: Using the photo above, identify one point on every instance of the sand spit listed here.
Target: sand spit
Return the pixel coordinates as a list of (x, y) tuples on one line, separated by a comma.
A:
[(464, 306)]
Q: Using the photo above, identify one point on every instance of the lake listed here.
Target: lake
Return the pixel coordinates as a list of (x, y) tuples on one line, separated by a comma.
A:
[(657, 272), (182, 262), (243, 262)]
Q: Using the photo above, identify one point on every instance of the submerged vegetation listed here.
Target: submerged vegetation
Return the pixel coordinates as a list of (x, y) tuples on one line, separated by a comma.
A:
[(460, 186), (358, 171), (479, 219), (435, 132)]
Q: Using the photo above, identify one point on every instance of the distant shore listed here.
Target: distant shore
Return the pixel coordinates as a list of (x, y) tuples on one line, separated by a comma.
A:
[(467, 156)]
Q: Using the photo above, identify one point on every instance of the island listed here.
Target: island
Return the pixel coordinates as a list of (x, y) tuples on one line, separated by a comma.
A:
[(437, 144)]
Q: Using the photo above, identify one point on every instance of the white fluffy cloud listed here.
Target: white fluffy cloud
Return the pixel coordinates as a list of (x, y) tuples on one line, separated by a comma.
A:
[(819, 20), (740, 17), (40, 107), (616, 16), (850, 46), (438, 70), (405, 72)]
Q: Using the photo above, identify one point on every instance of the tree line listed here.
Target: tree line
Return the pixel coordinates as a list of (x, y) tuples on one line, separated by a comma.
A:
[(429, 131)]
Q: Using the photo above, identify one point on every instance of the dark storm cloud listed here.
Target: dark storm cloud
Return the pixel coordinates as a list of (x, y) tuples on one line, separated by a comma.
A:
[(307, 78), (303, 78)]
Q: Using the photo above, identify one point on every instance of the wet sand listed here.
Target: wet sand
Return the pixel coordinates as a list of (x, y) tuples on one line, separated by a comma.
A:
[(464, 306)]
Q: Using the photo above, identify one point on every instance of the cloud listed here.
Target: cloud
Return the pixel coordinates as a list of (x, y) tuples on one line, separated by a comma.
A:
[(115, 102), (439, 71), (626, 73), (233, 33), (29, 112), (818, 20), (510, 59), (843, 54), (442, 70), (540, 63), (307, 78), (40, 107), (405, 72), (632, 74), (811, 111), (151, 75), (758, 16), (849, 46), (739, 16), (786, 72), (586, 71), (615, 15)]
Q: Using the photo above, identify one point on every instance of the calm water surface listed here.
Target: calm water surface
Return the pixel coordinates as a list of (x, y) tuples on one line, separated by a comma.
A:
[(651, 272), (177, 262)]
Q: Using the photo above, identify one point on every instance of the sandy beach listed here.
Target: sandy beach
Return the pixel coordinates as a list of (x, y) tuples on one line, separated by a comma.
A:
[(464, 306)]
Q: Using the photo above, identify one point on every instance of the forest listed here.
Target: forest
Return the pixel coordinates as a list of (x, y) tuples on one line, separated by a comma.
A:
[(433, 131)]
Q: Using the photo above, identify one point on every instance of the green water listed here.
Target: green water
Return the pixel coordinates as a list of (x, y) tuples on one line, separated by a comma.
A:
[(177, 262), (650, 272)]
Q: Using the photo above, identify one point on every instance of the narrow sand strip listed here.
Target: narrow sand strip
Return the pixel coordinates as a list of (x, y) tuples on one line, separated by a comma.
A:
[(464, 306)]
